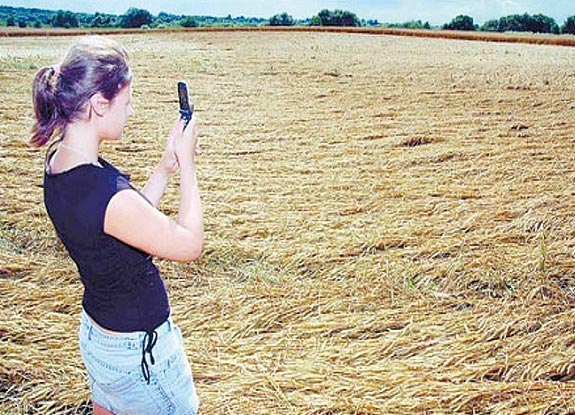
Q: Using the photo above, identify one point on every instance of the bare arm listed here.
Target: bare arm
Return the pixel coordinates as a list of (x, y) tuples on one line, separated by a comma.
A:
[(168, 164), (155, 186), (132, 220), (135, 222)]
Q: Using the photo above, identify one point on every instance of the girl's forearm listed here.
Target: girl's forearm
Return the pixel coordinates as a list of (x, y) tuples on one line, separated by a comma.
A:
[(190, 214), (156, 185)]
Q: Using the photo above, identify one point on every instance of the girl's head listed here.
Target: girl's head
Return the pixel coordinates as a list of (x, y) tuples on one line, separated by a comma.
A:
[(62, 93)]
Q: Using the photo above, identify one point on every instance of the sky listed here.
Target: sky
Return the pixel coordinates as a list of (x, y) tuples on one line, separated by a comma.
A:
[(436, 12)]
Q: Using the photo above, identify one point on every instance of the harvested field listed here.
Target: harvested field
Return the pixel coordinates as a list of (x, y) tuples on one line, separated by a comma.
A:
[(389, 225)]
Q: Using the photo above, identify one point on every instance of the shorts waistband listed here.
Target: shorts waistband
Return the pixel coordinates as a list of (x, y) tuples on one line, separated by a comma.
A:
[(99, 335)]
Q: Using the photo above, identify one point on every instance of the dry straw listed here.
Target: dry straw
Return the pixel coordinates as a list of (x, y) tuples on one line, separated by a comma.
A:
[(389, 225)]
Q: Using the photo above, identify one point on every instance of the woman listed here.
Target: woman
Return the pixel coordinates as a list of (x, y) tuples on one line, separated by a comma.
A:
[(132, 350)]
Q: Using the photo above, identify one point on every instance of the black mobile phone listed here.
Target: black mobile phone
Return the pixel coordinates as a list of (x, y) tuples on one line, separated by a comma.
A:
[(186, 110)]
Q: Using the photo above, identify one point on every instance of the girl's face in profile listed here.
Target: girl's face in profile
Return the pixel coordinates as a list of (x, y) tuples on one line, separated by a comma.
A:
[(119, 111)]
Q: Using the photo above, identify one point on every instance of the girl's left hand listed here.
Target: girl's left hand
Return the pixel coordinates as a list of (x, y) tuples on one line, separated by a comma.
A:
[(169, 162)]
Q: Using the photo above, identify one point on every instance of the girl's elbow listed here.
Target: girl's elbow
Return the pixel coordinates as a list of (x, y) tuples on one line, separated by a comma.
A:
[(190, 247), (193, 253)]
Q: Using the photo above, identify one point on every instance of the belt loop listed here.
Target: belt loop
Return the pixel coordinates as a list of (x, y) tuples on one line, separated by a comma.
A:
[(87, 325)]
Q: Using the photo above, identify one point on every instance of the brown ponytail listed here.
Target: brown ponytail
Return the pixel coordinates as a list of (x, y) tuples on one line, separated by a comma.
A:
[(46, 105), (94, 64)]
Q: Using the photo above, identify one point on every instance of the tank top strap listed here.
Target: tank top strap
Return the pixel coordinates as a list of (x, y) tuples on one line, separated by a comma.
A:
[(50, 153)]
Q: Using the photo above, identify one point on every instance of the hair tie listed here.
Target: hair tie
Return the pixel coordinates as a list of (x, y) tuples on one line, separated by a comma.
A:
[(56, 70), (54, 77)]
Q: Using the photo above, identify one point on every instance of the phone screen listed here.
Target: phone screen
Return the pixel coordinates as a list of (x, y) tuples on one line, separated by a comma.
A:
[(186, 110), (183, 96)]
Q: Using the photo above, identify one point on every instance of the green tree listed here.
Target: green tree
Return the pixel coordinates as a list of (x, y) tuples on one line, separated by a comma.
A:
[(283, 19), (526, 23), (569, 26), (336, 18), (189, 21), (540, 23), (490, 26), (166, 18), (461, 22), (11, 21), (102, 20), (135, 18), (412, 24), (65, 19)]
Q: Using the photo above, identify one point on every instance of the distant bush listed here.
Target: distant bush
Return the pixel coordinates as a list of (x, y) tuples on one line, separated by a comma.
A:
[(283, 19), (167, 18), (569, 26), (103, 20), (335, 18), (461, 22), (491, 26), (538, 23), (65, 19), (135, 18), (189, 22), (413, 24)]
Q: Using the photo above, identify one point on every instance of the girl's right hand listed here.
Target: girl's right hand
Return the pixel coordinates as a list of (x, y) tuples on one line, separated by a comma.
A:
[(186, 145)]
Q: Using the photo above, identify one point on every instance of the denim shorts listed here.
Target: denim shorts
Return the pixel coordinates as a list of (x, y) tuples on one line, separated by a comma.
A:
[(114, 365)]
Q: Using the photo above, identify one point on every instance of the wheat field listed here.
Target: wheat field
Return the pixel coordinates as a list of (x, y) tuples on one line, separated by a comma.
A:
[(389, 225)]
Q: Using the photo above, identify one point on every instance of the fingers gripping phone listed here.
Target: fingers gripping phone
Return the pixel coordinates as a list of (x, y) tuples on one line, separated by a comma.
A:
[(186, 110)]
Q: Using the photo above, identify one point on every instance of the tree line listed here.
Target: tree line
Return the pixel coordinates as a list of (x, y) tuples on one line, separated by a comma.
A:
[(538, 23), (141, 18), (137, 18)]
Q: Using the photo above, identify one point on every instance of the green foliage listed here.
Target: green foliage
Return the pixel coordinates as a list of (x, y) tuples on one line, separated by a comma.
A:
[(65, 19), (490, 26), (166, 18), (461, 22), (538, 23), (544, 24), (335, 18), (283, 19), (135, 18), (103, 20), (569, 26), (189, 21), (413, 24)]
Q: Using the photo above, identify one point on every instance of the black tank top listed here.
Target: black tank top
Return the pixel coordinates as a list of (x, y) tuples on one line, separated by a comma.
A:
[(123, 289)]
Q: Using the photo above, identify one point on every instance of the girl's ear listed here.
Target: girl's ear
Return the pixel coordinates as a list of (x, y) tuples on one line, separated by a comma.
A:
[(99, 104)]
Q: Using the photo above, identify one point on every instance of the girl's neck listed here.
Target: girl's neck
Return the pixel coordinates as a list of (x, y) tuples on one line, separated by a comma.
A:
[(79, 153), (82, 143), (76, 147)]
